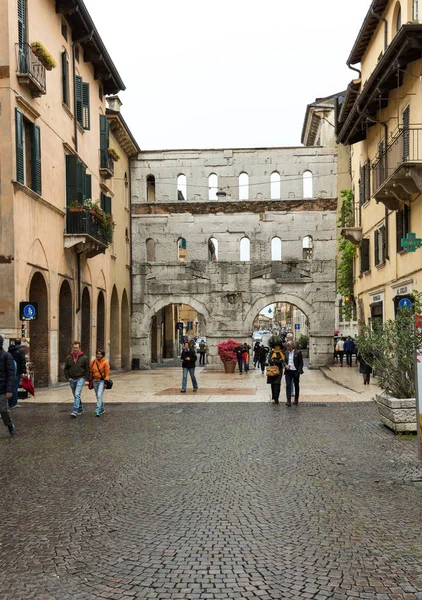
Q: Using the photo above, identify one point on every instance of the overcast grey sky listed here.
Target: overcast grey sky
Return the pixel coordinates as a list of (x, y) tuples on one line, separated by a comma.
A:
[(226, 73)]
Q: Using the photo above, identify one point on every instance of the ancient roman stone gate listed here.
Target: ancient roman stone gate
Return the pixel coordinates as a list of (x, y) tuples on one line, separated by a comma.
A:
[(229, 232)]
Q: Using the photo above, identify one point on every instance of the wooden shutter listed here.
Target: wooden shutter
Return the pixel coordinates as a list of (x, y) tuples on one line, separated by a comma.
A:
[(80, 182), (377, 247), (383, 244), (78, 99), (20, 151), (65, 78), (106, 204), (88, 187), (406, 220), (399, 230), (406, 133), (364, 255), (86, 121), (23, 67), (104, 141), (71, 176), (36, 159), (362, 185), (367, 171)]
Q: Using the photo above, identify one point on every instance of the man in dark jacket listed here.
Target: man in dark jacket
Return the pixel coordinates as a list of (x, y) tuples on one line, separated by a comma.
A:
[(76, 371), (7, 380), (293, 371), (349, 348), (19, 357), (188, 363)]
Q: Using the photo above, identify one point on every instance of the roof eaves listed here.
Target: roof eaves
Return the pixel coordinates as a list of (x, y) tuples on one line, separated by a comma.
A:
[(367, 29)]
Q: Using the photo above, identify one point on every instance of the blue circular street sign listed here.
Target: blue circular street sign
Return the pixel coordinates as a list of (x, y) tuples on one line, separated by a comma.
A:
[(405, 303), (29, 311)]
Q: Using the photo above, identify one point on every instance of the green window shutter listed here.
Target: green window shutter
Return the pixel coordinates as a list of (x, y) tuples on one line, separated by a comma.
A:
[(399, 230), (88, 187), (71, 176), (105, 202), (364, 255), (20, 158), (383, 244), (86, 120), (78, 99), (406, 133), (104, 141), (65, 78), (367, 181), (23, 67), (36, 159), (362, 185), (80, 182), (377, 247)]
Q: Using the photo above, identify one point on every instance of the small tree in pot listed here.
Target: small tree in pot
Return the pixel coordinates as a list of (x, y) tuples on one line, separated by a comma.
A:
[(227, 353)]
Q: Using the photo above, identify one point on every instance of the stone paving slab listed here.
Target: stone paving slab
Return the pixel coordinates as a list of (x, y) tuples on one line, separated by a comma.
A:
[(209, 500)]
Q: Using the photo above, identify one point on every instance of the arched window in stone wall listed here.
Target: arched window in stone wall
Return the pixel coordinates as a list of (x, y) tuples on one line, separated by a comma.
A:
[(308, 191), (212, 186), (245, 249), (213, 250), (150, 244), (182, 189), (243, 186), (150, 188), (307, 247), (275, 186), (181, 250), (276, 248)]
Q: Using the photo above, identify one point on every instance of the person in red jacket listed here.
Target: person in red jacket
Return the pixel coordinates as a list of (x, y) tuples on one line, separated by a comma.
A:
[(99, 372)]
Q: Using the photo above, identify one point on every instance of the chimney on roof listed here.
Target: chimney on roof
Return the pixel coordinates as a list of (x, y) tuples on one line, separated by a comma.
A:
[(114, 103)]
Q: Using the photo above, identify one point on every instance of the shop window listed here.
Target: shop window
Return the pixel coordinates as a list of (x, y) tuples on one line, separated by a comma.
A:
[(276, 248), (181, 250), (308, 191), (213, 250), (245, 249), (150, 188), (212, 186), (182, 188), (150, 245), (307, 248), (275, 186), (243, 186)]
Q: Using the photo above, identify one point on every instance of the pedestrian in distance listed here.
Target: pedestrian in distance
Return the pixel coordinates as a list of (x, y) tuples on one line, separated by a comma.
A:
[(349, 348), (256, 353), (245, 356), (76, 371), (276, 359), (19, 357), (188, 363), (7, 382), (293, 371), (99, 373), (202, 352), (365, 369), (239, 357), (340, 350), (262, 358)]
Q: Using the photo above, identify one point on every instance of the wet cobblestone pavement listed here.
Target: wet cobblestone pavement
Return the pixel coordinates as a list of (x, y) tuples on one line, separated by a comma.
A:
[(209, 500)]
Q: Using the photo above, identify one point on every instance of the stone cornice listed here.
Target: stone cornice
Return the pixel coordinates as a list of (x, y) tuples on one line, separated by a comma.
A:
[(246, 206)]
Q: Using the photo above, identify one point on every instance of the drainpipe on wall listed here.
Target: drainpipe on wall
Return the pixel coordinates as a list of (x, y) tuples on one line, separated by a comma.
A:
[(354, 69), (384, 20)]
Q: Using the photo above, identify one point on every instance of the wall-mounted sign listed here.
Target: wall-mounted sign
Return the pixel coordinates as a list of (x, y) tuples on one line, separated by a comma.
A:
[(297, 325), (403, 290), (28, 311), (411, 242), (378, 297)]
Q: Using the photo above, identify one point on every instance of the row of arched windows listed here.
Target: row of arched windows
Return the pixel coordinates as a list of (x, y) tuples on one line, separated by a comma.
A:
[(244, 249), (275, 186)]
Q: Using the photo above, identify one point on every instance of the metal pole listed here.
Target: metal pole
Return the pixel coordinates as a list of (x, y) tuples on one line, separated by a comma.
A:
[(418, 377)]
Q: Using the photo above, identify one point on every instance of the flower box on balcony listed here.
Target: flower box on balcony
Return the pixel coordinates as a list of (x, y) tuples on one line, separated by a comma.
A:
[(113, 154), (43, 55)]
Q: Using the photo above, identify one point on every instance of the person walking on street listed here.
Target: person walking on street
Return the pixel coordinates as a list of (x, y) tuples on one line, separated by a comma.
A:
[(188, 363), (202, 351), (262, 358), (245, 356), (76, 371), (256, 352), (7, 381), (239, 357), (349, 348), (365, 369), (276, 359), (340, 350), (99, 372), (293, 371), (19, 357)]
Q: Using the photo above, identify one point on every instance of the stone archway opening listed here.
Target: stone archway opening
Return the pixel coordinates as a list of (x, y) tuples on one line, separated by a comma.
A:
[(170, 326), (38, 331), (86, 323), (100, 321), (125, 329), (115, 350), (65, 325)]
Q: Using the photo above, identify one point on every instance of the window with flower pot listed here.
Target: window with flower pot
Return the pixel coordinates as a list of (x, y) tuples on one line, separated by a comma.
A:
[(28, 153)]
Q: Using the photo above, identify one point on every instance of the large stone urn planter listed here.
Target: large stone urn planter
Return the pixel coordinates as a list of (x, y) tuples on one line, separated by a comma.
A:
[(398, 414), (229, 366)]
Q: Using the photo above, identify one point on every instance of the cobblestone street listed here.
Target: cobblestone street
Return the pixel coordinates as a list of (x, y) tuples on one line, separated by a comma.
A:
[(216, 499)]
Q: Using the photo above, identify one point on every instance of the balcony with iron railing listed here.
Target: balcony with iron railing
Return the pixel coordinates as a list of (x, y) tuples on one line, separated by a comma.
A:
[(85, 232), (30, 71), (106, 165), (350, 221), (397, 171)]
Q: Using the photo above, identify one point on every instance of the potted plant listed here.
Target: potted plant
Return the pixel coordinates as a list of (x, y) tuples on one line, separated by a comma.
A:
[(113, 154), (227, 354), (304, 345), (75, 206), (43, 55), (390, 350)]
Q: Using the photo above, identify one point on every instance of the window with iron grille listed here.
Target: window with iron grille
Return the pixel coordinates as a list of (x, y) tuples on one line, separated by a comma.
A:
[(402, 226)]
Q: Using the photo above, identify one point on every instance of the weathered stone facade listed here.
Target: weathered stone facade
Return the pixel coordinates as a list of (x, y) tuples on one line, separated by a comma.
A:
[(230, 292)]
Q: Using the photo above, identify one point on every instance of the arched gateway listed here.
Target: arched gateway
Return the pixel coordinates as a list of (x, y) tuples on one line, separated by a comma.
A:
[(230, 292)]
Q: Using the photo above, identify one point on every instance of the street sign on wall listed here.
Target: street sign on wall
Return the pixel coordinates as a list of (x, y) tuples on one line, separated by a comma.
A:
[(28, 311)]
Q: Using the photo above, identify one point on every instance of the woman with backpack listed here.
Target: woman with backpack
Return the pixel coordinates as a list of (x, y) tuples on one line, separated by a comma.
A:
[(99, 373)]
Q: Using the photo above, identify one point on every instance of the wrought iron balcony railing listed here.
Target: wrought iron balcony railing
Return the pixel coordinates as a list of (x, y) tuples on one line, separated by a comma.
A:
[(30, 71), (404, 148), (106, 164), (84, 223)]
